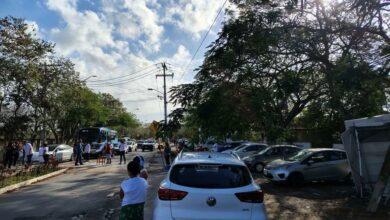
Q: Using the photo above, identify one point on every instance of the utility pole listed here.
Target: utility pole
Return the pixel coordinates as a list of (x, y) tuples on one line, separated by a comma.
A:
[(164, 75)]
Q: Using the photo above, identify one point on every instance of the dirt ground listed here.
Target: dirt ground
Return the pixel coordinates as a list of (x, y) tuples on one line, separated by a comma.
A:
[(317, 200)]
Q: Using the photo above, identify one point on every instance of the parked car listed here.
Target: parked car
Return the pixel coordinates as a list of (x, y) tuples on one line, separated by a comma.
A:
[(309, 165), (132, 145), (249, 149), (231, 145), (147, 145), (61, 152), (258, 161), (209, 186)]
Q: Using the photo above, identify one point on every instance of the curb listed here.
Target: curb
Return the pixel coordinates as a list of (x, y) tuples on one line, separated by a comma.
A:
[(31, 181)]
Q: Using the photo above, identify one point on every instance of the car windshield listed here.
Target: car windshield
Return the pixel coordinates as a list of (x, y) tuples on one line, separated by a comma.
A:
[(240, 147), (52, 147), (213, 176), (299, 155), (264, 151)]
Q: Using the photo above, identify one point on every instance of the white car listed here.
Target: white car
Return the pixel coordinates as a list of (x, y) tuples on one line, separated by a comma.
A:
[(62, 152), (132, 145), (203, 185)]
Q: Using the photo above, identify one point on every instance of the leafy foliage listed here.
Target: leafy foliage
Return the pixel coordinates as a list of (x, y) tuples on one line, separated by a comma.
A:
[(278, 61), (43, 92)]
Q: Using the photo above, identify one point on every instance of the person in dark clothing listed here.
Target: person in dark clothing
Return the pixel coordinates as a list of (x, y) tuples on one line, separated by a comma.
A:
[(46, 154), (167, 153), (78, 151), (8, 155), (15, 153)]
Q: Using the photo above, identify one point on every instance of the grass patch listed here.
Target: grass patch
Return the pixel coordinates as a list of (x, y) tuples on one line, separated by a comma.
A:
[(24, 175)]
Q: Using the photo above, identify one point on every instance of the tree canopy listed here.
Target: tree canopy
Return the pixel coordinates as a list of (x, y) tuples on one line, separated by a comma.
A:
[(41, 91), (279, 64)]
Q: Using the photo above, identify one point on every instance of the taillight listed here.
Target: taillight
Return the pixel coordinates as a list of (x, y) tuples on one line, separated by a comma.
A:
[(171, 194), (251, 197)]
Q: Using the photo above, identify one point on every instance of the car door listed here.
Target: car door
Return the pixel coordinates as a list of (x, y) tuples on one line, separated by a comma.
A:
[(68, 152), (59, 153), (338, 165), (317, 166)]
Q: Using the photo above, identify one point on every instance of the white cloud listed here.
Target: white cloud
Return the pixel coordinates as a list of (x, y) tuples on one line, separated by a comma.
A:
[(193, 16), (135, 19), (121, 37)]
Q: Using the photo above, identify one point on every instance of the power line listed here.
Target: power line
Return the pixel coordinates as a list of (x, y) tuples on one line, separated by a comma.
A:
[(204, 38), (130, 80), (123, 76)]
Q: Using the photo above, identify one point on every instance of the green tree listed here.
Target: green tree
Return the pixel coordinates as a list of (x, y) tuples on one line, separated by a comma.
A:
[(275, 59)]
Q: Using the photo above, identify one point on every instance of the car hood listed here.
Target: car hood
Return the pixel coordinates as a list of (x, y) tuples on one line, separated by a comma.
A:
[(279, 162)]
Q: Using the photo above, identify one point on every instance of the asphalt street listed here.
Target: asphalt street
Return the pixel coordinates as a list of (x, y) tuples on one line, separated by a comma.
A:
[(85, 192)]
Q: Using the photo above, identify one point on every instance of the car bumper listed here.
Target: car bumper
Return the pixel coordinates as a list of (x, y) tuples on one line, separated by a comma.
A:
[(278, 175)]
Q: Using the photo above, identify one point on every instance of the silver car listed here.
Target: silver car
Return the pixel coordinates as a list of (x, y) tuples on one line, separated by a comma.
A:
[(310, 165)]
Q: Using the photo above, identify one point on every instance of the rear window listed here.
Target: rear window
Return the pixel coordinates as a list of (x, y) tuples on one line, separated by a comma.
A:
[(213, 176)]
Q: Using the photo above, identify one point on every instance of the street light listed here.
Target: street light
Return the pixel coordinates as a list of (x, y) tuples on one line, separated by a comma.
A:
[(84, 80), (151, 89)]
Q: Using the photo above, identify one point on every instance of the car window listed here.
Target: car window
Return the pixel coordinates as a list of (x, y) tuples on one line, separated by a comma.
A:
[(210, 175), (337, 155), (291, 150), (319, 157)]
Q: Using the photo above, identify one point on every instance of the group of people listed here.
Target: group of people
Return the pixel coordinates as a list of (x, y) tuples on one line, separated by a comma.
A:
[(106, 150), (18, 151)]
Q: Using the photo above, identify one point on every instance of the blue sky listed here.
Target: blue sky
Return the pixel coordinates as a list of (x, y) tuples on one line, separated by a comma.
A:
[(115, 38)]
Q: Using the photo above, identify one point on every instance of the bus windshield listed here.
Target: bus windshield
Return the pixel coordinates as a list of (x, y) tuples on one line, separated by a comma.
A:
[(89, 135)]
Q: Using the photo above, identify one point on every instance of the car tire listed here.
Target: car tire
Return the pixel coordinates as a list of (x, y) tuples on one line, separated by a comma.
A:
[(143, 149), (348, 179), (295, 179), (259, 167)]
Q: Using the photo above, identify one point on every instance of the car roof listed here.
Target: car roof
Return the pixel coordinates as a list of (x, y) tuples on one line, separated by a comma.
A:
[(253, 143), (207, 157), (323, 149), (284, 145)]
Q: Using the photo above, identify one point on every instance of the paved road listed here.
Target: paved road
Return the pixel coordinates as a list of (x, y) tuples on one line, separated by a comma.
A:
[(84, 192)]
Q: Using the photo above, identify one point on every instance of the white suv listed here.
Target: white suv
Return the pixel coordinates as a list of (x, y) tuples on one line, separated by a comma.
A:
[(203, 185)]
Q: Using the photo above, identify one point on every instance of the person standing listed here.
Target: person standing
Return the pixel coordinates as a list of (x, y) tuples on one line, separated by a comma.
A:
[(107, 152), (27, 153), (15, 153), (122, 152), (140, 160), (87, 151), (167, 154), (41, 151), (133, 194), (45, 154), (79, 151), (8, 155)]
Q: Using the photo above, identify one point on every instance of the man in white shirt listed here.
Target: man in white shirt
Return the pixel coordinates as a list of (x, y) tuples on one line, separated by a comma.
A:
[(27, 153), (122, 152), (87, 151)]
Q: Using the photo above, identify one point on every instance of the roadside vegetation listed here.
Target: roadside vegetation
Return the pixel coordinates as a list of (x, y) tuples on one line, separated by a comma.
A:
[(280, 65), (10, 177), (41, 91)]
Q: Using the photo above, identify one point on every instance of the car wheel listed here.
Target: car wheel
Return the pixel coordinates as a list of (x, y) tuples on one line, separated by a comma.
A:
[(259, 167), (143, 149), (295, 179), (348, 179)]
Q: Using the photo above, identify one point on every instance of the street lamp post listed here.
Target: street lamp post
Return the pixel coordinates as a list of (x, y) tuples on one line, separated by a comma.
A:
[(84, 80)]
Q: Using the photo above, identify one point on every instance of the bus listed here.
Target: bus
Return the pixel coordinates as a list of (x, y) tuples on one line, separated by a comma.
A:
[(94, 135)]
